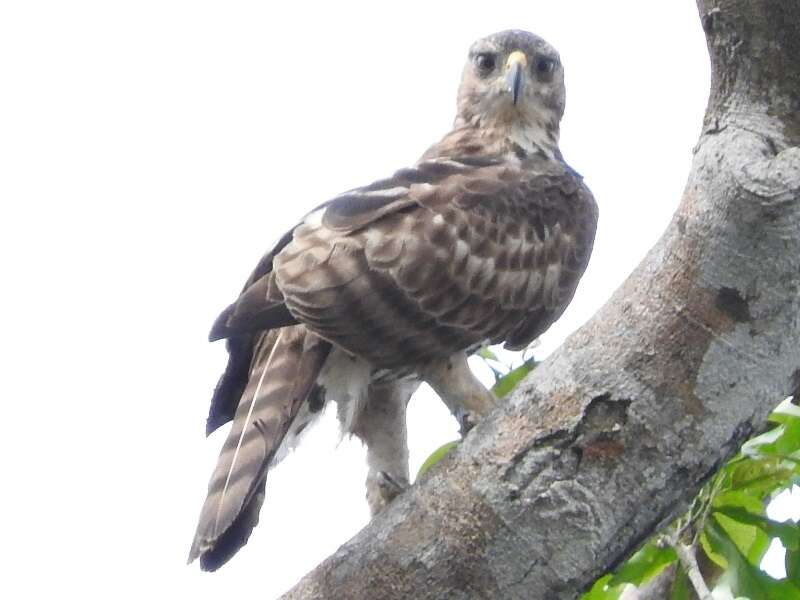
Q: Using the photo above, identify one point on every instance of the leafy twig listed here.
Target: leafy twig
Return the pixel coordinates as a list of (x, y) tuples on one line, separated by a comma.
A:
[(688, 561)]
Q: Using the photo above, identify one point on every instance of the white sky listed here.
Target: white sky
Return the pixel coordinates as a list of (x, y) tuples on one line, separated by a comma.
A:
[(150, 152)]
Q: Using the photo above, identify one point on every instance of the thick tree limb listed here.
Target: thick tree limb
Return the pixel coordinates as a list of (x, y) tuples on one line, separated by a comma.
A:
[(616, 431)]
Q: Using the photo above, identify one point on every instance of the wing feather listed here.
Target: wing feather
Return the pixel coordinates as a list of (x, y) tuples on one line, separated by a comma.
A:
[(474, 253)]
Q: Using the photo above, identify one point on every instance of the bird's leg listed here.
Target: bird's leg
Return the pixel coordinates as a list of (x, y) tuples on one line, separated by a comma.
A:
[(382, 427), (459, 389)]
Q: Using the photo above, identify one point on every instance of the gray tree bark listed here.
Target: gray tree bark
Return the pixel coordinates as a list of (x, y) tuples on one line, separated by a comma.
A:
[(618, 429)]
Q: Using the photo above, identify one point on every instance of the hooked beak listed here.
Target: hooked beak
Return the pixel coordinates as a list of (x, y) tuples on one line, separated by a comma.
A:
[(515, 74)]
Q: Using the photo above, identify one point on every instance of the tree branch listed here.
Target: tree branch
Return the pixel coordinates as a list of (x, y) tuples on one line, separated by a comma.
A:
[(688, 561), (617, 430)]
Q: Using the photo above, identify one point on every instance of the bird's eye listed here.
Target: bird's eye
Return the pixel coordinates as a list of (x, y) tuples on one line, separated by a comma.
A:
[(545, 66), (485, 62)]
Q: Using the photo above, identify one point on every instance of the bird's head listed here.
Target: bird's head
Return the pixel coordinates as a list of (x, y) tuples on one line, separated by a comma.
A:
[(513, 83)]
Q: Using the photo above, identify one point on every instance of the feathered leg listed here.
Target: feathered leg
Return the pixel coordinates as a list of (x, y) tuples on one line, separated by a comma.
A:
[(382, 427), (282, 376), (459, 389)]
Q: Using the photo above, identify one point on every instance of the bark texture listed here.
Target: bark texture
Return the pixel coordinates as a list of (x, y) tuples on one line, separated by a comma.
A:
[(618, 429)]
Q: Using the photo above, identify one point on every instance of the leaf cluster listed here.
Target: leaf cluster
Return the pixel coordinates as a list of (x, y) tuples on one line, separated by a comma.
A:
[(727, 525)]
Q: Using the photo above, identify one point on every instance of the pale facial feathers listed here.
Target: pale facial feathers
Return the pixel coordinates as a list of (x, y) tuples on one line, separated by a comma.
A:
[(531, 120)]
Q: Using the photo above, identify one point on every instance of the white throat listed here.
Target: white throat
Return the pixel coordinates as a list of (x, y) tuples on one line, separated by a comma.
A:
[(532, 139)]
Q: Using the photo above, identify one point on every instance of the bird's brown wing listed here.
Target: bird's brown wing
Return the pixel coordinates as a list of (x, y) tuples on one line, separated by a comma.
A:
[(260, 306), (482, 252)]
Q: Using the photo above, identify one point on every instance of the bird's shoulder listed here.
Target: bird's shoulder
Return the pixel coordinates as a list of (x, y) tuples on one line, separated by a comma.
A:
[(467, 190), (537, 188)]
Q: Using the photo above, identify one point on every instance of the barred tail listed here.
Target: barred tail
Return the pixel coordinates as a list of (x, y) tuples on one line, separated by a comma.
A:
[(281, 379)]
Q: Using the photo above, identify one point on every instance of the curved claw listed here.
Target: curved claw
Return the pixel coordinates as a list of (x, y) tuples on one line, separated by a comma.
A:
[(389, 487)]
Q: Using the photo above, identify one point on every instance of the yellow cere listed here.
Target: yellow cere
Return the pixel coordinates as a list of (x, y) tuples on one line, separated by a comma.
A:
[(517, 56)]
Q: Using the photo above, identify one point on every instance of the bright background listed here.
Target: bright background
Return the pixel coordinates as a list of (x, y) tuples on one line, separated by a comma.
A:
[(151, 151)]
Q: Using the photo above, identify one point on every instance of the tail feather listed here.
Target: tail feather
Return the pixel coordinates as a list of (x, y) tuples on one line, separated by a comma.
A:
[(233, 381), (284, 374), (236, 536)]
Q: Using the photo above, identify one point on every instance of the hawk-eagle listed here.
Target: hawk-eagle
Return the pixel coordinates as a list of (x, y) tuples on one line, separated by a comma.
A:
[(483, 240)]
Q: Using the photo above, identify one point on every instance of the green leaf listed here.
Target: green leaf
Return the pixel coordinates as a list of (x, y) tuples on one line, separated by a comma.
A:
[(787, 408), (783, 589), (753, 447), (751, 541), (789, 441), (510, 380), (788, 532), (792, 562), (711, 552), (747, 580), (602, 591), (760, 477), (784, 440), (739, 570), (737, 498), (680, 586), (644, 565), (486, 353), (436, 456)]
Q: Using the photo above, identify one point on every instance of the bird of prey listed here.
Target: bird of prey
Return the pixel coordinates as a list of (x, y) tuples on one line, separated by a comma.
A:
[(483, 240)]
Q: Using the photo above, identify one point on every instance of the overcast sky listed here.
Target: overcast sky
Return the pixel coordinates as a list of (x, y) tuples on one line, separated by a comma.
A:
[(151, 151)]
